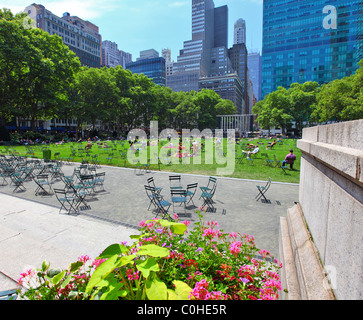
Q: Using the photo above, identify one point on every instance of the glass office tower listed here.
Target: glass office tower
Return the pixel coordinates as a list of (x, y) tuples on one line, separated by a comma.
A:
[(153, 68), (309, 40)]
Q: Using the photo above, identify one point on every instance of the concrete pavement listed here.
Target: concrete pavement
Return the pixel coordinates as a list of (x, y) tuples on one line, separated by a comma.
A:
[(32, 229)]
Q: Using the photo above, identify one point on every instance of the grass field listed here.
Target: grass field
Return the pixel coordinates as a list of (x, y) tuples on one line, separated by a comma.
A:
[(116, 155)]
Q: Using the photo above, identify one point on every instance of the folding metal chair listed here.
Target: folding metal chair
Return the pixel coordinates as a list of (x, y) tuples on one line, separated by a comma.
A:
[(150, 192), (162, 205), (175, 182), (179, 196), (211, 182), (207, 197), (43, 185), (18, 181), (284, 168), (67, 199), (151, 183), (99, 179), (190, 192), (262, 190)]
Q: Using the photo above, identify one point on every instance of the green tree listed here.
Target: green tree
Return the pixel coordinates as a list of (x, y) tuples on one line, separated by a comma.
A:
[(302, 101), (36, 70)]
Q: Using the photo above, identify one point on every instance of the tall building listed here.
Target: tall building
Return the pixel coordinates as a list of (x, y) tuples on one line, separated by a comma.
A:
[(166, 54), (205, 62), (240, 31), (150, 65), (254, 63), (194, 59), (148, 54), (311, 40), (112, 56), (82, 37)]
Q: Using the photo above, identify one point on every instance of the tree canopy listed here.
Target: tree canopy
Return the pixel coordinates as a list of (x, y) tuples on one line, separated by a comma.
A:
[(309, 102), (41, 78)]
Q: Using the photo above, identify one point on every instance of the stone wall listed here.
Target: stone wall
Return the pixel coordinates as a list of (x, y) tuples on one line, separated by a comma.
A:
[(331, 212)]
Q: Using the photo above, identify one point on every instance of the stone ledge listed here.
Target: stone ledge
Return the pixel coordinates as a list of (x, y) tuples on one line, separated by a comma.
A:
[(346, 160), (303, 275), (288, 274)]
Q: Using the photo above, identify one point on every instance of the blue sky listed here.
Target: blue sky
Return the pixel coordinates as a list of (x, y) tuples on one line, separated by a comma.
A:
[(150, 24)]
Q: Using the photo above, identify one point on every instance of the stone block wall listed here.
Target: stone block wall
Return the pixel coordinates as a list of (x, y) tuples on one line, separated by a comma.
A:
[(331, 203)]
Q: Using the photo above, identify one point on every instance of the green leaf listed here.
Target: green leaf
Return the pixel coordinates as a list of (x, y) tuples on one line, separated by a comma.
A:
[(113, 291), (55, 280), (114, 249), (66, 281), (146, 266), (153, 251), (156, 289), (175, 227), (75, 266), (105, 268), (182, 291)]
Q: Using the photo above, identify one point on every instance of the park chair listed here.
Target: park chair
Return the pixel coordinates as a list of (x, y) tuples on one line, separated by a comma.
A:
[(284, 167), (43, 185), (179, 196), (152, 195), (151, 183), (276, 163), (88, 183), (8, 294), (80, 194), (99, 179), (175, 182), (191, 190), (95, 161), (67, 199), (109, 158), (56, 172), (262, 190), (18, 181), (211, 182), (268, 161), (162, 205), (207, 197)]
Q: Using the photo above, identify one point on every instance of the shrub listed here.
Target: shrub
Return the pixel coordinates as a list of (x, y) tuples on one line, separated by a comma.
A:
[(165, 261)]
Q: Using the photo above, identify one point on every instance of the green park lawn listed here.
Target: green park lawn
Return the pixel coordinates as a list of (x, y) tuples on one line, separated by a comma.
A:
[(116, 155)]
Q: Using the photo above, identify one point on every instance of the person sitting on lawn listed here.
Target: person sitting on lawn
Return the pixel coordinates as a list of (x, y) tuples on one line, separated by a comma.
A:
[(88, 146), (271, 145), (289, 159), (255, 151)]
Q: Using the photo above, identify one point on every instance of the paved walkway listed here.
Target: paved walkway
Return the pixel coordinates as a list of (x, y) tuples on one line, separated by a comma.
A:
[(32, 229)]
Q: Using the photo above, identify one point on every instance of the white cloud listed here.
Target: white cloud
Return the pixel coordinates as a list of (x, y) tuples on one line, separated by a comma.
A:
[(178, 4), (85, 9)]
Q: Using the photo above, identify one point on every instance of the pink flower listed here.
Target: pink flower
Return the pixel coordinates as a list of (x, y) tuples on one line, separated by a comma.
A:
[(84, 259), (186, 222), (233, 235), (97, 262), (235, 247)]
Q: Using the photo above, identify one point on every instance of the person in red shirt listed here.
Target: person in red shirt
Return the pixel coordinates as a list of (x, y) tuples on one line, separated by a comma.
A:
[(289, 159)]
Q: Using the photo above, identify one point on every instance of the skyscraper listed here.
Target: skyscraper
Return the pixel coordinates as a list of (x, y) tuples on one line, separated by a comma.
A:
[(311, 40), (254, 63), (240, 31), (205, 62), (151, 65), (82, 37), (194, 58), (112, 56)]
